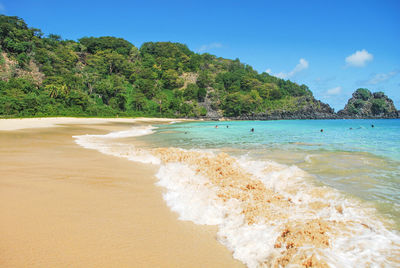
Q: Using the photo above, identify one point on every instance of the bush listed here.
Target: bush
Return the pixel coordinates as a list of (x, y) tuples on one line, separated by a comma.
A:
[(362, 93), (378, 106)]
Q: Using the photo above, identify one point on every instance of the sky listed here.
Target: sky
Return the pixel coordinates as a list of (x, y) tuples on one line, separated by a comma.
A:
[(333, 47)]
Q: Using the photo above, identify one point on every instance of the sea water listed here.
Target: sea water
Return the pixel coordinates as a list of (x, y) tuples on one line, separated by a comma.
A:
[(301, 192)]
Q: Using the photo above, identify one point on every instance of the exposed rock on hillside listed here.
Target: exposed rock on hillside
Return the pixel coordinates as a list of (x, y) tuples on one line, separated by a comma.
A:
[(305, 108), (365, 104), (9, 68)]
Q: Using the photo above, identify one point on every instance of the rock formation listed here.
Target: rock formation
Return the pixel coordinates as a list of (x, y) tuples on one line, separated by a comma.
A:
[(365, 104)]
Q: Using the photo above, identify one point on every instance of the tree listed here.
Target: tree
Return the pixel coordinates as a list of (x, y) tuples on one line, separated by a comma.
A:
[(378, 106), (362, 93), (233, 104), (201, 94), (191, 92), (204, 80), (57, 91), (107, 75), (117, 45), (162, 100), (148, 87), (139, 101), (171, 79)]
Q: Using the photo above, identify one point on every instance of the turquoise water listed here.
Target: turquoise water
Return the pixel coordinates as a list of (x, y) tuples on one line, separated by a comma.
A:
[(285, 192), (349, 155)]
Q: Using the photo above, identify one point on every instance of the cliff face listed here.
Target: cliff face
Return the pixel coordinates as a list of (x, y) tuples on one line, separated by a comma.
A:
[(365, 104)]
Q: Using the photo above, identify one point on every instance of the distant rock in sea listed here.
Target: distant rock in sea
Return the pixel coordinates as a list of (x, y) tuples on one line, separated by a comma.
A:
[(365, 104)]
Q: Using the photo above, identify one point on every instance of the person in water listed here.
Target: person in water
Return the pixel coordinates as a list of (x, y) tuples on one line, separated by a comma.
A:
[(252, 130), (372, 126), (322, 130), (216, 126)]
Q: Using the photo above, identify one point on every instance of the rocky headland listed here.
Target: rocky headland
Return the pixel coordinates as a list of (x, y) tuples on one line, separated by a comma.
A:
[(364, 104)]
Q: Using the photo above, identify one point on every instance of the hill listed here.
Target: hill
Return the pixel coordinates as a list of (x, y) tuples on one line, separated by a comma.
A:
[(365, 104), (108, 76)]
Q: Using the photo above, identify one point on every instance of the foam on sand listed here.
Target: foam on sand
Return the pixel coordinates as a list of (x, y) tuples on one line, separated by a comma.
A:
[(106, 144), (47, 122), (267, 214)]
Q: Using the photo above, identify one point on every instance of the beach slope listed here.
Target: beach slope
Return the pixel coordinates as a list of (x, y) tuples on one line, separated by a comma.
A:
[(65, 206)]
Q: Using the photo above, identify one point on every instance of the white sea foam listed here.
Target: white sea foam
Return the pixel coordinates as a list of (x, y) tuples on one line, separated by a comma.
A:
[(357, 237), (188, 195), (106, 144), (365, 241), (308, 158)]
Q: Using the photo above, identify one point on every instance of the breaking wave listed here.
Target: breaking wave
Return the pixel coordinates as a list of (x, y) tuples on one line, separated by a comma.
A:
[(267, 214), (106, 144)]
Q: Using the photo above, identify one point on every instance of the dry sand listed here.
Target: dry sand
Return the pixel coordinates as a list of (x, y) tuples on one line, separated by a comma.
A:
[(65, 206)]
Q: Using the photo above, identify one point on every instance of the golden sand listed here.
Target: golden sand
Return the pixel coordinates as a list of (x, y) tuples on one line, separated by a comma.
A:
[(65, 206)]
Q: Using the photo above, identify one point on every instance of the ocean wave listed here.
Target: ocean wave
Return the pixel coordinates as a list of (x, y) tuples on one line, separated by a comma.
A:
[(106, 144), (267, 214)]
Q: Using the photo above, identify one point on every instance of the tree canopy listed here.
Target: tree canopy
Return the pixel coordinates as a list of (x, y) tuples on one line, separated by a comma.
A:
[(107, 76)]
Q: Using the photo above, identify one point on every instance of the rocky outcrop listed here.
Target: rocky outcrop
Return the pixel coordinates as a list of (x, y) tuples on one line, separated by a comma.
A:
[(306, 107), (279, 115), (212, 114), (313, 110), (10, 68), (365, 104)]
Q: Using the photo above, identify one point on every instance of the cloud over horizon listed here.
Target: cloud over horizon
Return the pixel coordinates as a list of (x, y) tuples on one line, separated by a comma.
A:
[(302, 65), (334, 91), (359, 58), (382, 77), (209, 46), (2, 7)]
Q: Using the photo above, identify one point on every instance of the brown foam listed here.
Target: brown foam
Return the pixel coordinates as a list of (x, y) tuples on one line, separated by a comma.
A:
[(260, 204)]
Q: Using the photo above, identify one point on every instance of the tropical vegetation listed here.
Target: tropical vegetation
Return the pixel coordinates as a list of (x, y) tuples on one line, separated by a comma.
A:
[(45, 75)]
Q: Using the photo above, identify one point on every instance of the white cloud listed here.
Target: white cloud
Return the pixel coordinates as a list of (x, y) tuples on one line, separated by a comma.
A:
[(209, 46), (379, 78), (359, 58), (268, 71), (2, 7), (302, 65), (334, 91)]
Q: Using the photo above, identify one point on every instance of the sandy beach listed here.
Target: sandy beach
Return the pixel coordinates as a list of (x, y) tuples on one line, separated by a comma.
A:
[(65, 206)]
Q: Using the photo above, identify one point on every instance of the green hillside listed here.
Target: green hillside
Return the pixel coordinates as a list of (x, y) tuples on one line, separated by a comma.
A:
[(44, 75)]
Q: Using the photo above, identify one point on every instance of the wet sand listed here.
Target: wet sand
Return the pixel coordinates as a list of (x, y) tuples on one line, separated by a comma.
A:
[(65, 206)]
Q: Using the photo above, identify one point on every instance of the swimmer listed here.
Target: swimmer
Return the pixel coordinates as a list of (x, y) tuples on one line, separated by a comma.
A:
[(216, 126), (322, 130), (252, 130), (372, 126)]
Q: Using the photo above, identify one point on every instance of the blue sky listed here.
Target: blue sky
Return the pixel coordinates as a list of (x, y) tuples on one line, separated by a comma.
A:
[(334, 47)]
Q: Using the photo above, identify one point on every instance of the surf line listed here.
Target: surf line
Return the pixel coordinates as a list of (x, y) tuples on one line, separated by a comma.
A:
[(266, 213)]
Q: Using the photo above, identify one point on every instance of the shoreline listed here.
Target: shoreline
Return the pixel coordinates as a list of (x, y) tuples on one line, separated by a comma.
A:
[(48, 122), (63, 205), (10, 124)]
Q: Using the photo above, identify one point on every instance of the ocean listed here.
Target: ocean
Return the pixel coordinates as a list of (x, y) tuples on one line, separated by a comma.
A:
[(291, 192)]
